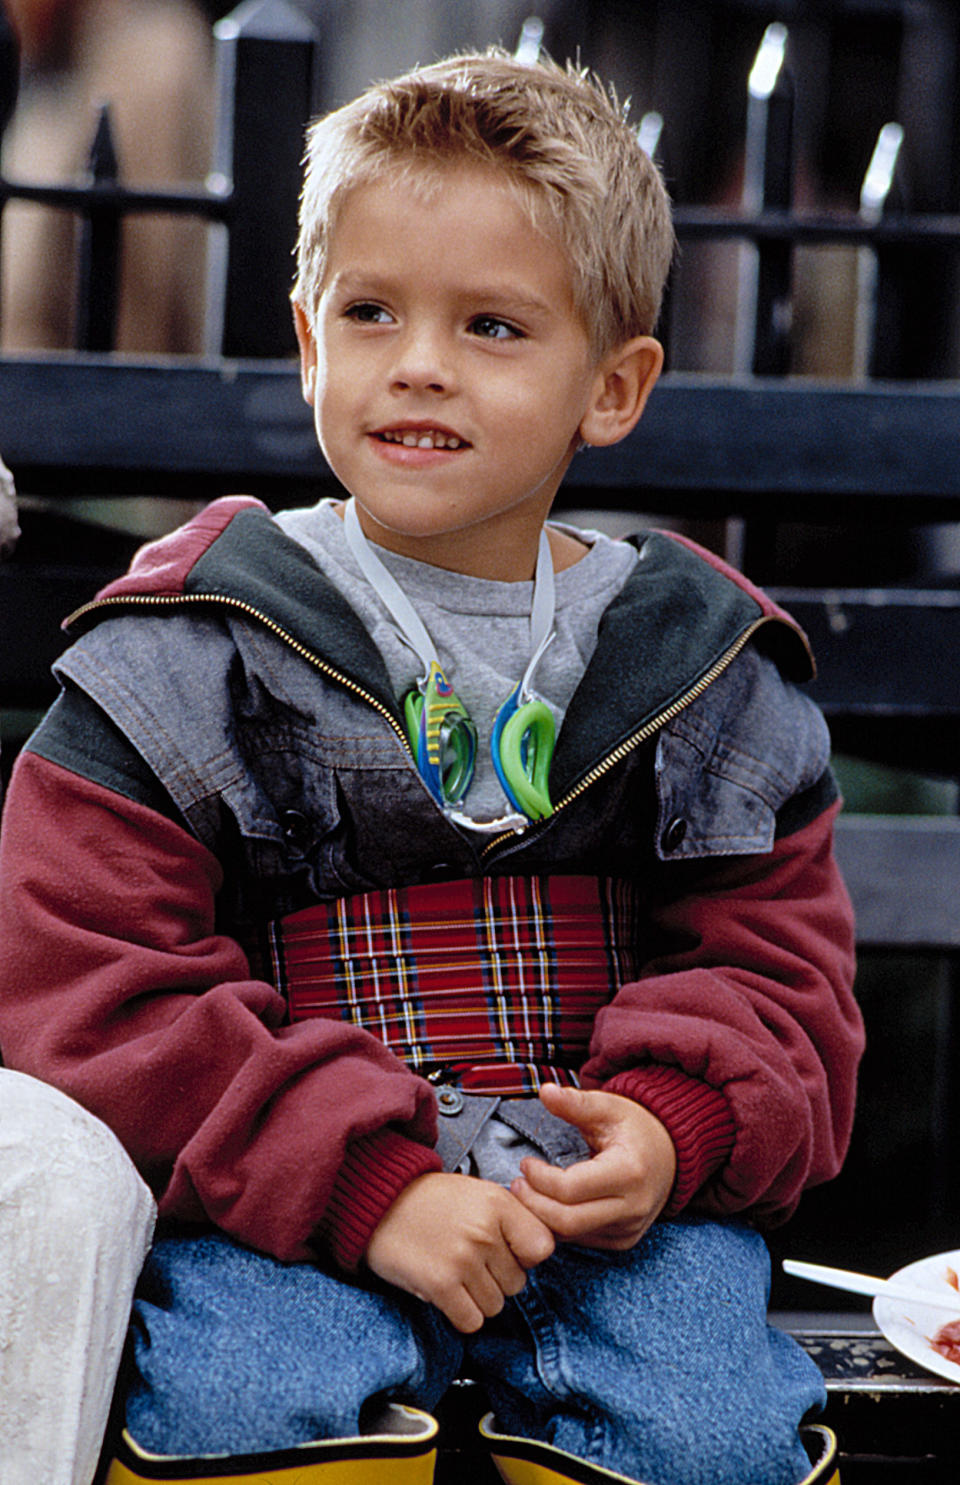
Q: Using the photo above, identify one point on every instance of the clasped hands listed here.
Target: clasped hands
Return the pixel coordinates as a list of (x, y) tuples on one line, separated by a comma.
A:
[(466, 1245)]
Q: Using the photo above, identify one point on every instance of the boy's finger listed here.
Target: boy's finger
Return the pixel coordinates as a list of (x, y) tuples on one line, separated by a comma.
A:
[(588, 1180), (588, 1109), (508, 1275), (486, 1292), (566, 1103), (461, 1310), (529, 1239), (571, 1223)]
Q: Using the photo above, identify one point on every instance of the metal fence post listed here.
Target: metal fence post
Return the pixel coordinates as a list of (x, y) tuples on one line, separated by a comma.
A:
[(900, 345), (765, 289), (877, 196), (764, 312), (266, 59), (98, 264), (9, 69), (9, 86), (649, 136)]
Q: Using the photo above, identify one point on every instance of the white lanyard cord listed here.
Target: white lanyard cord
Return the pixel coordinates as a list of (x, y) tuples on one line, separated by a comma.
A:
[(408, 621)]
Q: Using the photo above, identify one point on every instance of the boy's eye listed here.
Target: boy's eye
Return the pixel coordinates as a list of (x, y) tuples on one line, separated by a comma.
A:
[(369, 314), (490, 327)]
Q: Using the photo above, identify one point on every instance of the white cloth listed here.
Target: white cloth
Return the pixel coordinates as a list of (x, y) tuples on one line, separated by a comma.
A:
[(9, 529), (75, 1224)]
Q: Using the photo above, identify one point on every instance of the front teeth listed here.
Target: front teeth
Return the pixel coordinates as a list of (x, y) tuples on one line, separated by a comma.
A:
[(431, 440)]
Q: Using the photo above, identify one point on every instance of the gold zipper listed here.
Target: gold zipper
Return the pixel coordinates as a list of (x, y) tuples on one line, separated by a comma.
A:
[(642, 735), (599, 771), (174, 600)]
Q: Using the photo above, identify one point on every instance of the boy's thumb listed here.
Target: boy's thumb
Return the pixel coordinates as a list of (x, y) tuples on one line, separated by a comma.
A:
[(571, 1104)]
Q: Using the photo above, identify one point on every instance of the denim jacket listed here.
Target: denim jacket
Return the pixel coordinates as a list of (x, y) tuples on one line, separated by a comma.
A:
[(256, 699)]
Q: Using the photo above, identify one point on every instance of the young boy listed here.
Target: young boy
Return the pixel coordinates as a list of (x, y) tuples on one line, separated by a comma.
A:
[(446, 1048)]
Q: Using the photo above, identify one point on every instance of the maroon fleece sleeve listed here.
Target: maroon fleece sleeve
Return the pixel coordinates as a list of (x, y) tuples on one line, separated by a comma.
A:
[(116, 987), (743, 1035)]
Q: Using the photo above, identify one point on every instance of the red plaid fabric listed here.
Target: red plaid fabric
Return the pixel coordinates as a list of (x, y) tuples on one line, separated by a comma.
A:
[(495, 979)]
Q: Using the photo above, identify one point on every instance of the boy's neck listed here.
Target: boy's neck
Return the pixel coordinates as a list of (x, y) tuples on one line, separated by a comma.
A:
[(567, 550), (482, 560)]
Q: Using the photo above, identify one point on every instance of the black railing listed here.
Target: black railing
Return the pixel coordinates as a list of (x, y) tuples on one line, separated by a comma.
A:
[(265, 64), (759, 444), (771, 228), (267, 61)]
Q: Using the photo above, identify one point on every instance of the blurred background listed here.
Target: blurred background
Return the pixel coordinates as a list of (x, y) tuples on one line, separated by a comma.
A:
[(856, 65)]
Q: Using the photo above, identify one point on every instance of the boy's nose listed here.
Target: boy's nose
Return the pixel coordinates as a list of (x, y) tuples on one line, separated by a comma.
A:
[(423, 363)]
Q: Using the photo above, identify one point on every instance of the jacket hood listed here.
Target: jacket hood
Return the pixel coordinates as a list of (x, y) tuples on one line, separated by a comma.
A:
[(677, 621), (163, 567), (176, 565)]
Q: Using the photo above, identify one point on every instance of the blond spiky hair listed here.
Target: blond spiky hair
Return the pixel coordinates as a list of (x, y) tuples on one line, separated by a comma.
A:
[(559, 138)]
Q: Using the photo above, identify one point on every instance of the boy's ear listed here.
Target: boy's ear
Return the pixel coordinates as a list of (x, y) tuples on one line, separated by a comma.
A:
[(308, 353), (624, 380)]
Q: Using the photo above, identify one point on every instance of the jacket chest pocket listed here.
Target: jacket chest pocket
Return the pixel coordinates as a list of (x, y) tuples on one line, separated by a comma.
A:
[(326, 819), (727, 764), (705, 810)]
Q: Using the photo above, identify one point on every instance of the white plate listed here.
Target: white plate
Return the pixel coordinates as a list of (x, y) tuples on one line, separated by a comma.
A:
[(910, 1325)]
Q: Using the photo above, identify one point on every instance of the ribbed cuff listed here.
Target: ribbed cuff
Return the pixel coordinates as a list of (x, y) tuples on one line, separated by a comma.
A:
[(377, 1167), (696, 1116)]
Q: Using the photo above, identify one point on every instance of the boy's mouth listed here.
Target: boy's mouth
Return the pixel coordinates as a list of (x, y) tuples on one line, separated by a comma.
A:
[(422, 438)]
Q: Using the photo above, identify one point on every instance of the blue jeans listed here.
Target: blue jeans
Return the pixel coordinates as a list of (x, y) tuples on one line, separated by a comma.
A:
[(657, 1363)]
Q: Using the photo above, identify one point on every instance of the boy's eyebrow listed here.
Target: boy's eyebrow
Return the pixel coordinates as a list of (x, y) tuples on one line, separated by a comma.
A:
[(501, 296)]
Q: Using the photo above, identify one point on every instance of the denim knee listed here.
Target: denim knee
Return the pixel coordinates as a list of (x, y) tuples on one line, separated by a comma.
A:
[(235, 1352), (659, 1363)]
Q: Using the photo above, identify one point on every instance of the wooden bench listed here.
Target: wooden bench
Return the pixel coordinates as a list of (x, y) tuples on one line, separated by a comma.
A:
[(895, 1420), (903, 870)]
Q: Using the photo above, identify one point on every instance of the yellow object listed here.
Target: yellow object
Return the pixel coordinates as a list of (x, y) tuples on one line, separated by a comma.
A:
[(821, 1444), (401, 1451), (526, 1462)]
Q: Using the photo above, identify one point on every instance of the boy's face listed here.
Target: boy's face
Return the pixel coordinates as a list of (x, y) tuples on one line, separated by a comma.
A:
[(448, 370)]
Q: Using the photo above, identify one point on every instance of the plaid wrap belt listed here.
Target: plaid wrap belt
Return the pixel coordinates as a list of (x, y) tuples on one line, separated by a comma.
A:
[(492, 981)]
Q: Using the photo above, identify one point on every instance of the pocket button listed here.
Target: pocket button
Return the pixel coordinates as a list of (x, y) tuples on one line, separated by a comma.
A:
[(674, 835), (296, 830)]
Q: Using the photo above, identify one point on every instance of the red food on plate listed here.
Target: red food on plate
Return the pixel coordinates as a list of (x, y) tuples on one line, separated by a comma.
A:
[(946, 1342)]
